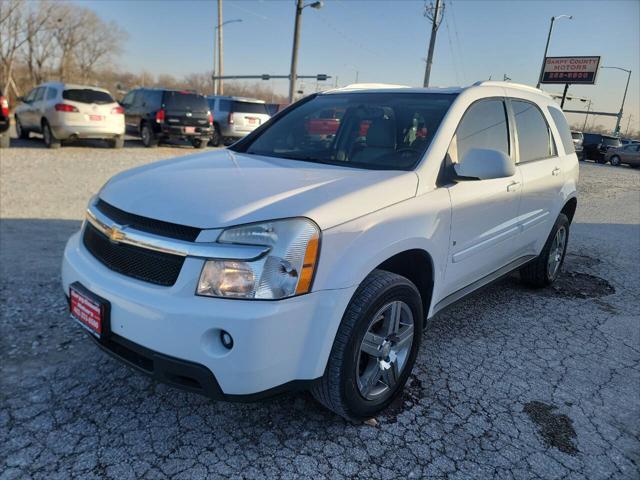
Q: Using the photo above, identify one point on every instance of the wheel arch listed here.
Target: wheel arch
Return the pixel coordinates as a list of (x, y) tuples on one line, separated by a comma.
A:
[(569, 208), (417, 266)]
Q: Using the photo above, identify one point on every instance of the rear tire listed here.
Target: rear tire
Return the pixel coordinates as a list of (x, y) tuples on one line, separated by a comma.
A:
[(215, 139), (149, 139), (5, 141), (544, 270), (20, 131), (48, 137), (357, 384), (615, 161), (117, 142), (200, 143)]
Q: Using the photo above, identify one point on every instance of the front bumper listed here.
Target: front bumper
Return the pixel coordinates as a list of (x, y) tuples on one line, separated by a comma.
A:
[(275, 342)]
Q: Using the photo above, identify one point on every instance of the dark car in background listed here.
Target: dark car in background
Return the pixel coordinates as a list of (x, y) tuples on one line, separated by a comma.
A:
[(159, 115), (596, 145), (4, 121), (235, 117)]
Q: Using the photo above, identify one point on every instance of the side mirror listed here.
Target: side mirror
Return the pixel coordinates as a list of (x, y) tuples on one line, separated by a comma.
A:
[(484, 164)]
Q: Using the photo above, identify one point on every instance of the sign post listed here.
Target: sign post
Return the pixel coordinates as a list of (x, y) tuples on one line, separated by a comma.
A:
[(568, 71)]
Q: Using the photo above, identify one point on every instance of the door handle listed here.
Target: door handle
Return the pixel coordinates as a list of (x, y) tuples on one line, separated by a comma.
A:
[(555, 171), (513, 186)]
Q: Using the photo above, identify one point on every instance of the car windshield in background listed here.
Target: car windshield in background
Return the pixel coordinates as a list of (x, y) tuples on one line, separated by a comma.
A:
[(576, 136), (365, 130), (185, 101), (611, 141), (249, 107), (87, 95)]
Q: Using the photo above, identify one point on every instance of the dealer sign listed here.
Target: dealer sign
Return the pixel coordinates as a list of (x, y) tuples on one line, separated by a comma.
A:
[(570, 70)]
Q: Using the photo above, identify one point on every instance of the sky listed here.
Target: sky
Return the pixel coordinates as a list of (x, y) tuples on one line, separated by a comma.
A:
[(386, 41)]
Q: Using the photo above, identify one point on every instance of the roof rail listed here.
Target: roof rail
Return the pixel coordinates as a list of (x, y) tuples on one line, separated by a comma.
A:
[(363, 86), (497, 83)]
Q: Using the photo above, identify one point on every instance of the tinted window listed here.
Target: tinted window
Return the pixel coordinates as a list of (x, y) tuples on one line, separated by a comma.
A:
[(484, 125), (87, 95), (534, 141), (377, 130), (225, 105), (563, 129), (51, 93), (152, 98), (39, 94), (185, 101), (611, 141), (590, 138), (128, 99), (249, 107)]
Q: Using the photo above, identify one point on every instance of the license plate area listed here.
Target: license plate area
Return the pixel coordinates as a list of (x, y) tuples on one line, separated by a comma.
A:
[(95, 118), (190, 130), (89, 310)]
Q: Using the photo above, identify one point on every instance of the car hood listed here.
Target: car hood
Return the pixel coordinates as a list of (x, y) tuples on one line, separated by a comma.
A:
[(224, 188)]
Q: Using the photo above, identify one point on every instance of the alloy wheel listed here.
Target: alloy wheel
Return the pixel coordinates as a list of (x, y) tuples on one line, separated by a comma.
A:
[(384, 350), (556, 252)]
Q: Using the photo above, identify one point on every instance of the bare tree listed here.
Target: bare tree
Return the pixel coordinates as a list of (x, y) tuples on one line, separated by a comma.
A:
[(12, 36), (40, 44), (100, 42), (69, 33)]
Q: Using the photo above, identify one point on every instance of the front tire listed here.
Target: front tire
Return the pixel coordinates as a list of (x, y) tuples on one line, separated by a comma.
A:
[(544, 270), (374, 349), (49, 138), (615, 161)]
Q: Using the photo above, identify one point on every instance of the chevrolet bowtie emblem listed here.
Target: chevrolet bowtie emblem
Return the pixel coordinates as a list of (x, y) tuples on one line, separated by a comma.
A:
[(116, 233)]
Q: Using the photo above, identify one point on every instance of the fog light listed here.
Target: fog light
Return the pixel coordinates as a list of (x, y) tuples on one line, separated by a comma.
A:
[(226, 339)]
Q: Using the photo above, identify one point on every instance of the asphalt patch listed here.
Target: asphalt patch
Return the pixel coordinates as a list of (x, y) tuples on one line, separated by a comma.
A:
[(579, 285), (556, 429)]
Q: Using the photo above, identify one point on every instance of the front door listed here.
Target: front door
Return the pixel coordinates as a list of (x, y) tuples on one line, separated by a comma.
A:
[(484, 212)]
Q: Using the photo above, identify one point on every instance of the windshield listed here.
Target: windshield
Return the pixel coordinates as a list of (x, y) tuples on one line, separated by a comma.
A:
[(185, 101), (87, 95), (611, 141), (363, 130)]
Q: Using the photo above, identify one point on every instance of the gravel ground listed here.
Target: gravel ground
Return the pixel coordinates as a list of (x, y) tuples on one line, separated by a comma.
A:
[(510, 383)]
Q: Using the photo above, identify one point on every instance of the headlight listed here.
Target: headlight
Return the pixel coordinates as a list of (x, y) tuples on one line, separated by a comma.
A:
[(286, 271)]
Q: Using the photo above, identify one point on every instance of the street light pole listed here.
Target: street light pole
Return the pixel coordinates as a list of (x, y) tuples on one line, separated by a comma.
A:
[(296, 40), (215, 30), (432, 44), (624, 97), (546, 48)]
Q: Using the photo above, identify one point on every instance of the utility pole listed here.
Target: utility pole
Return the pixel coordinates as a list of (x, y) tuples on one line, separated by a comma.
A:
[(546, 48), (220, 68), (584, 125), (294, 53), (296, 40), (626, 132), (435, 23), (213, 73)]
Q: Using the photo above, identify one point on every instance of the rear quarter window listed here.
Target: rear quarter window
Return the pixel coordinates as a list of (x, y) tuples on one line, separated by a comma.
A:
[(87, 95), (563, 128)]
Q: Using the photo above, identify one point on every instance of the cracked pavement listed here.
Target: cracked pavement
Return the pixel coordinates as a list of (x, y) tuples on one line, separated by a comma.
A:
[(509, 384)]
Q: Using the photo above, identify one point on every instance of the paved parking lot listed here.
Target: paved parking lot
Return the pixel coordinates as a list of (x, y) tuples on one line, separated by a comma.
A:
[(510, 383)]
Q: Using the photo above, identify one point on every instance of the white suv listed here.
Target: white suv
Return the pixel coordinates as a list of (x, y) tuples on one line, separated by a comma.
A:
[(293, 260), (67, 112)]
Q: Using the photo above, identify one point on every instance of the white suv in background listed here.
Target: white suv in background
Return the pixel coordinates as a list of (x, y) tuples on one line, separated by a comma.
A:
[(68, 112), (293, 260)]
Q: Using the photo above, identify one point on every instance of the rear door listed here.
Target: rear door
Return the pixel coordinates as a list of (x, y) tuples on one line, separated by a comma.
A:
[(93, 107), (247, 116), (542, 168), (186, 109), (28, 115)]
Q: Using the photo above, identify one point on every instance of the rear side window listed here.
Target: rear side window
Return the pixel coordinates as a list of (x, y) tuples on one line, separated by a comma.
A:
[(87, 95), (534, 139), (185, 101), (563, 129), (39, 94), (249, 107), (51, 93), (484, 125), (153, 98)]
